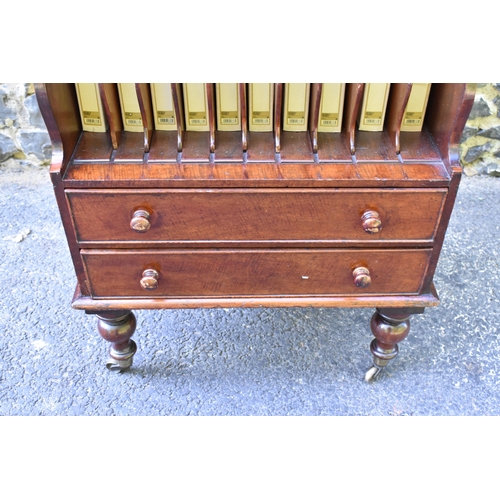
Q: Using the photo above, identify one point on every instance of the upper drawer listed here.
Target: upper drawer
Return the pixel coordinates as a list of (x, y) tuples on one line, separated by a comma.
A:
[(250, 216)]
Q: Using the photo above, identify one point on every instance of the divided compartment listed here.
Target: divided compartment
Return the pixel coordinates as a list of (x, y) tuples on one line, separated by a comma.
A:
[(230, 146), (116, 144), (261, 147), (392, 145), (350, 144), (431, 145), (332, 147), (133, 145), (98, 146), (167, 144), (293, 146), (367, 146), (411, 146), (198, 146)]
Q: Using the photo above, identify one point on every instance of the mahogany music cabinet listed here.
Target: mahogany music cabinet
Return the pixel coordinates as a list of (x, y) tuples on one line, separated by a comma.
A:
[(180, 219)]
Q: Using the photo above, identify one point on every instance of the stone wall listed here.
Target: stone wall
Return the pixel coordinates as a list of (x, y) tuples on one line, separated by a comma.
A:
[(24, 140), (23, 135), (480, 147)]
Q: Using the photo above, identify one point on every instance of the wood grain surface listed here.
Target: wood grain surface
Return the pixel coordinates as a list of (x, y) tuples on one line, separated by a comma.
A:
[(265, 216), (229, 273)]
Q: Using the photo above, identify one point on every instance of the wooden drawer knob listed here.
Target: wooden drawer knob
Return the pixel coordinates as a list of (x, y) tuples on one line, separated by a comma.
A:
[(149, 280), (140, 221), (361, 277), (371, 222)]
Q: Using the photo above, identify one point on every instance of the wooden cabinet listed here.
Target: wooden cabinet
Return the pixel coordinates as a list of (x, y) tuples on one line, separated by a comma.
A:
[(239, 219)]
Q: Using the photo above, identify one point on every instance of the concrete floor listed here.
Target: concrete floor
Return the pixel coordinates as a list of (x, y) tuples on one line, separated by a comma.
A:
[(244, 361)]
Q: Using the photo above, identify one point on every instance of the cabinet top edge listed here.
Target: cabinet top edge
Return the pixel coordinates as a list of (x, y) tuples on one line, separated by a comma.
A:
[(142, 175)]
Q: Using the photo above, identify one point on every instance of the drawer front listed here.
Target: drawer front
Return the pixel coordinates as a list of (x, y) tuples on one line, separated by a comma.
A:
[(236, 216), (230, 273)]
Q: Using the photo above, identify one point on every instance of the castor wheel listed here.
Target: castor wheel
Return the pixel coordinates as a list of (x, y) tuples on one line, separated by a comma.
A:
[(373, 373), (115, 366), (121, 361)]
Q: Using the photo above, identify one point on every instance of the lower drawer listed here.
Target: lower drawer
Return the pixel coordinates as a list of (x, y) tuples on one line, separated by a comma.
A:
[(229, 273)]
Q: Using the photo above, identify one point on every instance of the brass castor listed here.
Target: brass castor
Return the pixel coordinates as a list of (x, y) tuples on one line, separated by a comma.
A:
[(121, 361), (373, 373)]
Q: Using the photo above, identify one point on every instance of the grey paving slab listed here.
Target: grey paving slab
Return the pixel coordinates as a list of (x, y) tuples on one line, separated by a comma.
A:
[(243, 361)]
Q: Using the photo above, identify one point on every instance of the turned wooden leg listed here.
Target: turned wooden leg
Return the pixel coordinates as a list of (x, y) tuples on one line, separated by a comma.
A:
[(390, 326), (118, 327)]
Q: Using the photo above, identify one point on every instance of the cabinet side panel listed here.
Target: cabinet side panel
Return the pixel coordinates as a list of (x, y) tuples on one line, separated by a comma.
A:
[(62, 117), (443, 225), (59, 107), (447, 112), (69, 230)]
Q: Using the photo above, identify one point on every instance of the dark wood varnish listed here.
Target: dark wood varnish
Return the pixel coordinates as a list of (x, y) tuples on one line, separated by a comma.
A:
[(244, 219), (117, 327), (163, 147), (87, 303), (257, 174), (389, 326), (211, 273), (408, 216)]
